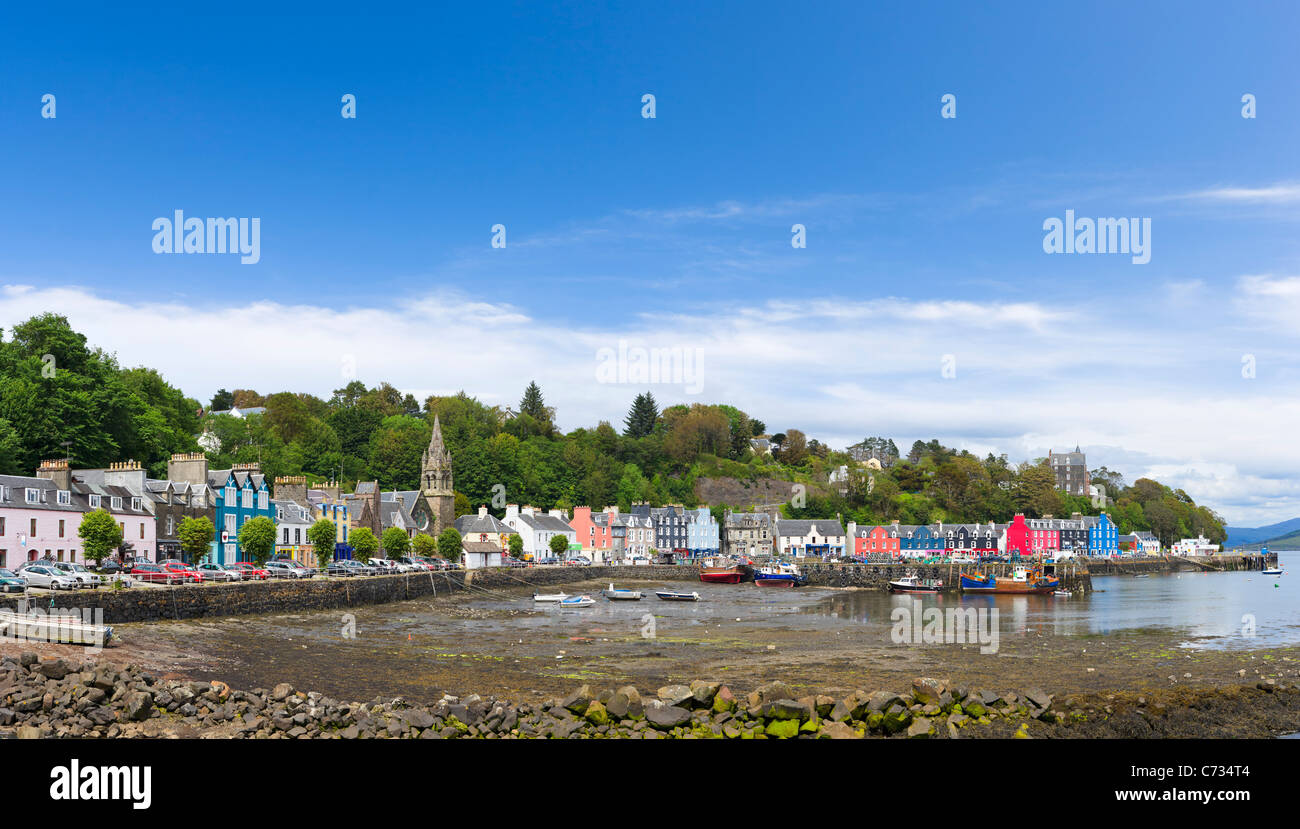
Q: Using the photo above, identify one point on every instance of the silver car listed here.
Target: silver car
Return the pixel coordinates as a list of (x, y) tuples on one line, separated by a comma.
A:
[(44, 575), (219, 572), (287, 570), (84, 575)]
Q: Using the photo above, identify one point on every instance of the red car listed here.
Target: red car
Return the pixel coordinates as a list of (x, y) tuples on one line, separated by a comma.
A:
[(185, 571), (147, 571), (249, 570)]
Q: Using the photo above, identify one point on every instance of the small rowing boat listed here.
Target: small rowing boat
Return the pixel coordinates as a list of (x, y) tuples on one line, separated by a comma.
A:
[(68, 629), (1064, 593), (621, 595), (550, 597), (674, 596), (577, 601)]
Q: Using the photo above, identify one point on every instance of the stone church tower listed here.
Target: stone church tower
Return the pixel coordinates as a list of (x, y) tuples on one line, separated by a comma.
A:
[(435, 476)]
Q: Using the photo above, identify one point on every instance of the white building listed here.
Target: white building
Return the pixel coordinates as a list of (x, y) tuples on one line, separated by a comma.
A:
[(1199, 546), (818, 537), (1146, 544), (537, 528)]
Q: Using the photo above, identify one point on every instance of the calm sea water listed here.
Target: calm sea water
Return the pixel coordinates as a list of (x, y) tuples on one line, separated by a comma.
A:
[(1211, 610)]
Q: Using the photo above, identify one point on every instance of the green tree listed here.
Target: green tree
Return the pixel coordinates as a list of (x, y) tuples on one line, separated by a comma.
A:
[(100, 534), (516, 546), (322, 534), (533, 405), (195, 536), (257, 538), (396, 542), (559, 544), (641, 418), (449, 544), (363, 542), (424, 545)]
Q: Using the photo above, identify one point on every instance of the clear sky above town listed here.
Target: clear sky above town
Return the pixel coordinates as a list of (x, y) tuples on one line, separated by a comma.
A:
[(924, 234)]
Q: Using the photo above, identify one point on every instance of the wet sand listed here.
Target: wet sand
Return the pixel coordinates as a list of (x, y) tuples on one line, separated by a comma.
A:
[(502, 644)]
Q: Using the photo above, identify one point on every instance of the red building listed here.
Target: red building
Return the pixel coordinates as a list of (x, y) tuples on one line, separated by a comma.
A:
[(594, 535), (1019, 538), (877, 540)]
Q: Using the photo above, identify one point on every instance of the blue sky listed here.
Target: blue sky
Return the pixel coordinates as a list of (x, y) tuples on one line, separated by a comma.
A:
[(924, 234)]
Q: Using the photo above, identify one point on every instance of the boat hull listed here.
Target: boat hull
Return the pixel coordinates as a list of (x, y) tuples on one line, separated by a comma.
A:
[(721, 577), (770, 581), (917, 588), (678, 597), (990, 584)]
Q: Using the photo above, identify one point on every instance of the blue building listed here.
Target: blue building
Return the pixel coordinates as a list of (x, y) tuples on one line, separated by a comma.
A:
[(1103, 537), (242, 494), (702, 537), (924, 540)]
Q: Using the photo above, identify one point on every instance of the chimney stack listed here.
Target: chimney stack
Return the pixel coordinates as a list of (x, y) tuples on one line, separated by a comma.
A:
[(57, 471)]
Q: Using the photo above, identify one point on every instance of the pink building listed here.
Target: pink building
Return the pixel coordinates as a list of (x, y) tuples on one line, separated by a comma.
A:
[(40, 517), (593, 533)]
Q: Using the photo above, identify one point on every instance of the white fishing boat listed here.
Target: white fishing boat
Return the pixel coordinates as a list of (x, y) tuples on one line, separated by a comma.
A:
[(550, 597), (676, 596), (621, 595), (1063, 593), (577, 601), (1273, 571)]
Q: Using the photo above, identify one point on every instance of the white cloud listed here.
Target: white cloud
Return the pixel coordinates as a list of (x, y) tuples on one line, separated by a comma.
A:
[(1029, 377), (1280, 193)]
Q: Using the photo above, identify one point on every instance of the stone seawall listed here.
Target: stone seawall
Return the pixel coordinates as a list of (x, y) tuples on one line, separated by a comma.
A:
[(1074, 577), (1175, 564), (193, 601)]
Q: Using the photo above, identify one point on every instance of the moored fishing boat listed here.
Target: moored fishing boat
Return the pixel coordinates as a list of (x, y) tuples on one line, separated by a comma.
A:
[(1023, 580), (676, 596), (577, 601), (622, 595), (720, 571), (550, 597), (912, 583), (778, 575), (1273, 571)]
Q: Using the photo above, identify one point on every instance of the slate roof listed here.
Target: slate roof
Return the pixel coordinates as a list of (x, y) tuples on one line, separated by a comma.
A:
[(798, 527)]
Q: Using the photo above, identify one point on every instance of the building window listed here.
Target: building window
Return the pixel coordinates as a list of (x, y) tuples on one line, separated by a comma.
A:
[(33, 528), (65, 497), (247, 501), (33, 497), (261, 500), (135, 504), (230, 523), (61, 522), (117, 502)]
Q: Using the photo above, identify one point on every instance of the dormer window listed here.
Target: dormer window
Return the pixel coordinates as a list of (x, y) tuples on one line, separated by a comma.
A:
[(117, 502), (94, 502), (135, 504), (65, 497), (33, 496)]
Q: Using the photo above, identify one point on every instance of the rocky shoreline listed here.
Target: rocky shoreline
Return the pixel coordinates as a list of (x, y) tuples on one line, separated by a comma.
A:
[(92, 699)]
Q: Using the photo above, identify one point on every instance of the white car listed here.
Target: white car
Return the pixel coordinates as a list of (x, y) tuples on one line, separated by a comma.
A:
[(43, 575), (278, 568), (84, 575)]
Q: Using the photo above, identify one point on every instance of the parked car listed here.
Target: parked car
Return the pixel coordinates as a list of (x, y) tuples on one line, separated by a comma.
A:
[(340, 568), (154, 573), (582, 561), (111, 567), (984, 559), (513, 562), (548, 560), (249, 571), (417, 564), (11, 582), (219, 572), (641, 561), (360, 568), (287, 570), (185, 571), (84, 575), (51, 578)]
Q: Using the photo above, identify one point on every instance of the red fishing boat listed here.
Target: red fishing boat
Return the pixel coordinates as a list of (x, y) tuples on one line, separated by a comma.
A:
[(720, 571)]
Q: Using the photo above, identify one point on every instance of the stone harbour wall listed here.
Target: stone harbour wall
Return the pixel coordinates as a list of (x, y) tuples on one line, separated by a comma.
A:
[(192, 601)]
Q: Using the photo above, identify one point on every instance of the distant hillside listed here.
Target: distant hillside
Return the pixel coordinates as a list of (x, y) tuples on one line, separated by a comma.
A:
[(1290, 541), (1248, 536)]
